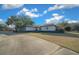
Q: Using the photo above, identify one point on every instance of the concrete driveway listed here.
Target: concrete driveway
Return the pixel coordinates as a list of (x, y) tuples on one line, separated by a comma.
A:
[(23, 44)]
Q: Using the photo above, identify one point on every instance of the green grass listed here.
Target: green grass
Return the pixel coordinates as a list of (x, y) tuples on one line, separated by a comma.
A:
[(76, 33)]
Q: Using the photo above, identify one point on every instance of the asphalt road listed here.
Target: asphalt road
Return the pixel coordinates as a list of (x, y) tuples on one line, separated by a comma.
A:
[(23, 44)]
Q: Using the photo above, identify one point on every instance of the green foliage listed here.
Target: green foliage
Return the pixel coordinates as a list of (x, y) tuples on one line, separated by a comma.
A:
[(2, 26), (11, 20), (63, 23), (20, 21)]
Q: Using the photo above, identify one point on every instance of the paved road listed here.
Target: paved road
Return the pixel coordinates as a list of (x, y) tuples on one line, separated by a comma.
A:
[(22, 44)]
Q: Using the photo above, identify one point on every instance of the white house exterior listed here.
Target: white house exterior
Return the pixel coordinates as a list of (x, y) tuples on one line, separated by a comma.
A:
[(30, 28), (48, 28), (11, 27), (41, 28), (44, 28)]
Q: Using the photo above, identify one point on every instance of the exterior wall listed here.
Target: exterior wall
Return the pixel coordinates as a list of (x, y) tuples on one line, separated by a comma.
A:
[(44, 28), (41, 28), (51, 28), (48, 28), (30, 28)]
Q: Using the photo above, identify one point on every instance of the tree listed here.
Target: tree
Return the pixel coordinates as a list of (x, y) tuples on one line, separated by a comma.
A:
[(11, 20), (64, 23), (20, 21), (76, 27), (2, 26)]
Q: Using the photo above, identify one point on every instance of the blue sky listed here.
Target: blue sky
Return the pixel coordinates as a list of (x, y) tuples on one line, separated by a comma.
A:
[(41, 13)]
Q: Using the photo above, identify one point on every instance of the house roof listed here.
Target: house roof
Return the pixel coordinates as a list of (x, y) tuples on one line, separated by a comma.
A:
[(37, 26), (48, 25)]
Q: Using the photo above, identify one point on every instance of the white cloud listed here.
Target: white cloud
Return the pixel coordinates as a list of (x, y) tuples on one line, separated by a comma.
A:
[(55, 7), (57, 16), (1, 20), (73, 21), (32, 14), (55, 19), (69, 5), (28, 12), (23, 11), (50, 21), (62, 6), (34, 10), (11, 6), (45, 12)]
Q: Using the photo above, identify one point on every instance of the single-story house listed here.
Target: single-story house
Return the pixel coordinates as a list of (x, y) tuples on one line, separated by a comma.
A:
[(30, 28), (49, 27), (27, 28)]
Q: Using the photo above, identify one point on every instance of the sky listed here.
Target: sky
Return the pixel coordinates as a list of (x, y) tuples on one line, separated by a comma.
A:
[(42, 13)]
